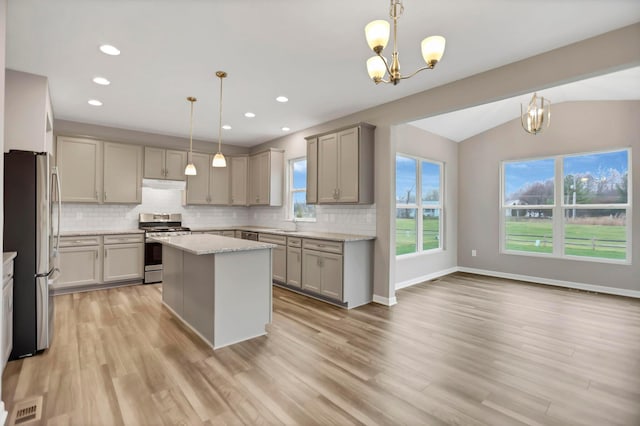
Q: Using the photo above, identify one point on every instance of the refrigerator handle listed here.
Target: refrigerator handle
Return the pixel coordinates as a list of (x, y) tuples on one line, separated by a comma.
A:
[(59, 192)]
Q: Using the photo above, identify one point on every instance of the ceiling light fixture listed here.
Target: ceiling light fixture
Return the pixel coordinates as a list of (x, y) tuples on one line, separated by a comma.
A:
[(190, 170), (101, 81), (537, 115), (108, 49), (282, 99), (226, 127), (377, 34), (218, 159), (94, 102), (285, 129), (249, 114)]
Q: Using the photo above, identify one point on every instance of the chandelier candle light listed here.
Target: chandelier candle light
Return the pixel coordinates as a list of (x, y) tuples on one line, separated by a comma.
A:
[(218, 159), (377, 34), (537, 116), (190, 170)]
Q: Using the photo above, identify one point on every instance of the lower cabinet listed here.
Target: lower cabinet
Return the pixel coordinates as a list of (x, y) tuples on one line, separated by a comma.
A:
[(322, 273), (278, 256), (294, 262), (92, 260), (7, 312)]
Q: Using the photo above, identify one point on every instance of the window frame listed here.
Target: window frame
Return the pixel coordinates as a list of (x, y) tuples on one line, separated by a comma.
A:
[(291, 191), (559, 207), (420, 207)]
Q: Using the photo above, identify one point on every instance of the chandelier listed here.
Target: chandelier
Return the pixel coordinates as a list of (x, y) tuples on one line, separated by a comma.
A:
[(377, 34), (218, 159), (190, 170), (537, 115)]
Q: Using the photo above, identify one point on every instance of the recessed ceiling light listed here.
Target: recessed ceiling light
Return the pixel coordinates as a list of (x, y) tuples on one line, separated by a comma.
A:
[(94, 102), (109, 50), (226, 127), (285, 129), (101, 81), (249, 114), (282, 99)]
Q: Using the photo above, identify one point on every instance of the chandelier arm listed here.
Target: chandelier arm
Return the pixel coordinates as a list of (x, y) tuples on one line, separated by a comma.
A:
[(385, 65), (427, 67)]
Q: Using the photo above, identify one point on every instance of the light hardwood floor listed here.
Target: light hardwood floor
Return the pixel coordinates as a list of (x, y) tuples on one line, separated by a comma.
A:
[(464, 350)]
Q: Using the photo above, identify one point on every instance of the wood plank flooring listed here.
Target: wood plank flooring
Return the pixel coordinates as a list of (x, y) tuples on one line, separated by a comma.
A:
[(462, 350)]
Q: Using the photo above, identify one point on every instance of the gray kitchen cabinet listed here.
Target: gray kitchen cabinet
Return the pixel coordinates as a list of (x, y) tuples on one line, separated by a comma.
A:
[(294, 262), (322, 270), (80, 165), (278, 256), (341, 165), (162, 163), (80, 261), (266, 178), (123, 257), (229, 233), (28, 120), (93, 171), (211, 185), (123, 166), (239, 170)]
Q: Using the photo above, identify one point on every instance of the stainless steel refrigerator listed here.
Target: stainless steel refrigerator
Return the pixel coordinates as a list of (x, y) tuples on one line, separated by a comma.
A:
[(29, 186)]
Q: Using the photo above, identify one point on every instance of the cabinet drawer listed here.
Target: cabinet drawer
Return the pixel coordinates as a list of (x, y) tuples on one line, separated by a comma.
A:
[(7, 272), (322, 245), (273, 239), (294, 242), (124, 238), (85, 240)]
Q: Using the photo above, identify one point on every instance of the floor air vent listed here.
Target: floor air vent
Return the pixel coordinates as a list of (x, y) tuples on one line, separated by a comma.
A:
[(27, 411)]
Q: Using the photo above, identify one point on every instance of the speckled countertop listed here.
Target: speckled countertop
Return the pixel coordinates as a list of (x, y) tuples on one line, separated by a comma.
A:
[(101, 232), (329, 236), (8, 255), (201, 244)]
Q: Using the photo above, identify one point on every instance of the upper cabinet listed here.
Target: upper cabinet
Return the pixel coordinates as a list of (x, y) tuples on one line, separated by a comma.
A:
[(28, 123), (93, 171), (210, 185), (340, 166), (239, 168), (164, 163), (266, 177)]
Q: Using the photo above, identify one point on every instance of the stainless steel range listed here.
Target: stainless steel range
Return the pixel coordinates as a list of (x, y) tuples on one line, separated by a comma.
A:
[(158, 225)]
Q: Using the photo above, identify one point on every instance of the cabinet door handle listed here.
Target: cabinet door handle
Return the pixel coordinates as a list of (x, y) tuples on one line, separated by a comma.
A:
[(96, 254), (96, 195), (106, 252), (105, 195)]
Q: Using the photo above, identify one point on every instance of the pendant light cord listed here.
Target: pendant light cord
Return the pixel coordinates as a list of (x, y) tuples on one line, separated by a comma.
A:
[(220, 120), (191, 129)]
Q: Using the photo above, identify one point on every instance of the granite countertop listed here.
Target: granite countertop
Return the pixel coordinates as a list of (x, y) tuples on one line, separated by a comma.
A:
[(329, 236), (201, 244), (8, 255), (101, 232)]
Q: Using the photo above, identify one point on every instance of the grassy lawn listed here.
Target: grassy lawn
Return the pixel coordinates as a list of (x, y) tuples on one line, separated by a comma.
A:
[(406, 235), (522, 236)]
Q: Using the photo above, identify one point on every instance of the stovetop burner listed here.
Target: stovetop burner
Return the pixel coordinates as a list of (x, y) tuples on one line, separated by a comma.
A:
[(161, 222)]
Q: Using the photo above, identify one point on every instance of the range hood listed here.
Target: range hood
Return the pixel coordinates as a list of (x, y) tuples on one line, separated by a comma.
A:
[(164, 184)]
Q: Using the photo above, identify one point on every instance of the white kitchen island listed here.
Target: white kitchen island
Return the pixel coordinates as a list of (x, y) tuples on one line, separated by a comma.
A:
[(219, 286)]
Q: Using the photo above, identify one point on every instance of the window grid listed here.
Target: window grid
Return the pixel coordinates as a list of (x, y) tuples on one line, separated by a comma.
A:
[(291, 215)]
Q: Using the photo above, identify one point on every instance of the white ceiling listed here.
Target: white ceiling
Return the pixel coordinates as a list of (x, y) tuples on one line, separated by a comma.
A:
[(462, 124), (313, 52)]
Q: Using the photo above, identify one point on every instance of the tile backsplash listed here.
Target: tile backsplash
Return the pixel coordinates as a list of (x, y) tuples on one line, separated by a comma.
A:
[(342, 219)]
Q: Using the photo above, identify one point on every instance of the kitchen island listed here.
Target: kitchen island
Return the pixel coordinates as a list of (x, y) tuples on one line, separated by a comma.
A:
[(218, 286)]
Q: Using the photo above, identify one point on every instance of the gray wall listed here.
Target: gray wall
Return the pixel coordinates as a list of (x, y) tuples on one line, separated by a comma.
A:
[(575, 127), (562, 65), (420, 143)]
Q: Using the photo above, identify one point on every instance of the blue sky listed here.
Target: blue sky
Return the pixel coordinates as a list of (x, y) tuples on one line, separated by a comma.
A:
[(520, 174), (406, 176)]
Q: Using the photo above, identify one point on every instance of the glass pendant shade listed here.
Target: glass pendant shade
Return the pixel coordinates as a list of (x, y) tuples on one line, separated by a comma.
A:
[(219, 160), (190, 170), (377, 34), (376, 67), (433, 49)]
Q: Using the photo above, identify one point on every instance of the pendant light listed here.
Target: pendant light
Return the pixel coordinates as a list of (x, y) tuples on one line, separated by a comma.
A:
[(537, 115), (218, 159), (190, 170)]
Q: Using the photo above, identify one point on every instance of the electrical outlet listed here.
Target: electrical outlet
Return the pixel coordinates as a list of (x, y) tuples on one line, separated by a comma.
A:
[(474, 252)]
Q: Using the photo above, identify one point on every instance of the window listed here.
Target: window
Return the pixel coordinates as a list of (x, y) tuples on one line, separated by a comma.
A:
[(573, 206), (418, 205), (299, 210)]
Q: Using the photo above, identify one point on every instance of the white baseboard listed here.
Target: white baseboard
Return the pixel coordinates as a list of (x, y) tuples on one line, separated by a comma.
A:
[(557, 283), (427, 277), (385, 300)]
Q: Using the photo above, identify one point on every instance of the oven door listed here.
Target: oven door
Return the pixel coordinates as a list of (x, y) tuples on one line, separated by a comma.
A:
[(152, 262)]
